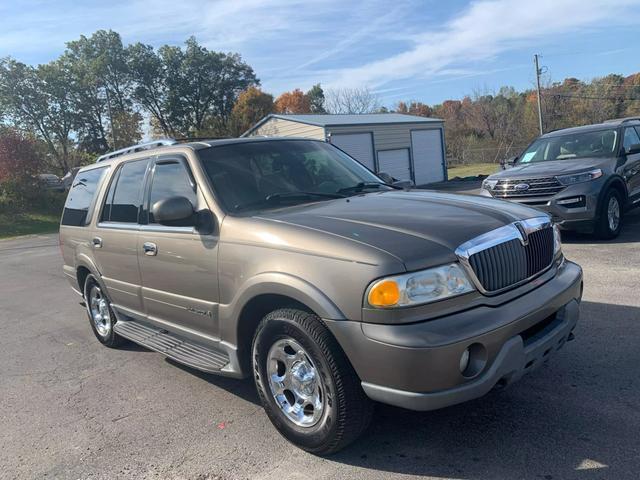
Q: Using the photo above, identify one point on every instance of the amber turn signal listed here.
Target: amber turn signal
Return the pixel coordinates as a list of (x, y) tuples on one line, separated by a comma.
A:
[(384, 294)]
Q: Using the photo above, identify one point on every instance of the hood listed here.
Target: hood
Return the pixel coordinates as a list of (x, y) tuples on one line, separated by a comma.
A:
[(552, 168), (420, 228)]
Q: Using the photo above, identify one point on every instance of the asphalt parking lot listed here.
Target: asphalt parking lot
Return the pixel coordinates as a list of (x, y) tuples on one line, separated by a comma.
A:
[(71, 408)]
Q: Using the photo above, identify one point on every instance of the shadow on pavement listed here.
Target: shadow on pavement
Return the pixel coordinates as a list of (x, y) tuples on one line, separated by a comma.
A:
[(576, 417), (244, 389), (630, 232)]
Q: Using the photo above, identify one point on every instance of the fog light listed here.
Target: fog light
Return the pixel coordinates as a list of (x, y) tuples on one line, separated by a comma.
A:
[(473, 360), (464, 361), (573, 202)]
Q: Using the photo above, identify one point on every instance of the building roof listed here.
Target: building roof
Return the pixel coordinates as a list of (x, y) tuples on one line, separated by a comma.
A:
[(334, 120)]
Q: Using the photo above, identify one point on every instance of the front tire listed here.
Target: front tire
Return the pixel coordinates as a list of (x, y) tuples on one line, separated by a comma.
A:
[(100, 313), (609, 224), (307, 386)]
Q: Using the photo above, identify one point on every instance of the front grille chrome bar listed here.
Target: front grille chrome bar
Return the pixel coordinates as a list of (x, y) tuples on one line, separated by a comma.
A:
[(502, 240)]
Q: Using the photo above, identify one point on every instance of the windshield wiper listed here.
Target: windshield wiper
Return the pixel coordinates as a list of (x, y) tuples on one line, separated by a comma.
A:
[(277, 197), (365, 185)]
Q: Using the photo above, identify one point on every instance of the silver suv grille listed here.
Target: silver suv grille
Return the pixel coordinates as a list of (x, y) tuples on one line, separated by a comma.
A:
[(509, 256), (536, 187)]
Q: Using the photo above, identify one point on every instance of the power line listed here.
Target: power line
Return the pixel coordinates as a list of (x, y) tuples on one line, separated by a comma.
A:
[(590, 97), (598, 85)]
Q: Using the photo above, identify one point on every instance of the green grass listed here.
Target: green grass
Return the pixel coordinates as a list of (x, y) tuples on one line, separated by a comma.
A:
[(28, 224), (473, 169)]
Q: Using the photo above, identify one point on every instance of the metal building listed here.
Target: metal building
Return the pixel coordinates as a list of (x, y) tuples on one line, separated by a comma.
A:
[(407, 147)]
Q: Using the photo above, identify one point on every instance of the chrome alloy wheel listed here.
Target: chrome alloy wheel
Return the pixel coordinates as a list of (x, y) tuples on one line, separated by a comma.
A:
[(613, 214), (295, 383), (99, 311)]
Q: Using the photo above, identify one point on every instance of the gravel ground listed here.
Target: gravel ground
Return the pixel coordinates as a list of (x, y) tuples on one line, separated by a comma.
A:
[(71, 408)]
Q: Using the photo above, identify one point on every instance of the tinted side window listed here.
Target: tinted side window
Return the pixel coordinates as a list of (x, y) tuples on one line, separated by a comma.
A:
[(80, 198), (170, 180), (630, 137), (124, 198)]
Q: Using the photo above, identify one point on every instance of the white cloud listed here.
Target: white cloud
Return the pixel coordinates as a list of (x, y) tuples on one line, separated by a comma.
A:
[(340, 43), (482, 31)]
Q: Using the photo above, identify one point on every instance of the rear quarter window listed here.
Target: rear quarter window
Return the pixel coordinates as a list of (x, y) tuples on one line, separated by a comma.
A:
[(81, 195)]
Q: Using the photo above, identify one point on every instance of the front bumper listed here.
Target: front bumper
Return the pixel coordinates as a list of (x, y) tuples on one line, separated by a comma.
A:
[(567, 216), (417, 366)]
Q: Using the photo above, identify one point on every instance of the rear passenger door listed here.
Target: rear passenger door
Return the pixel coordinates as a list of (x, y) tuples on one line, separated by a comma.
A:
[(632, 165), (115, 240), (178, 264)]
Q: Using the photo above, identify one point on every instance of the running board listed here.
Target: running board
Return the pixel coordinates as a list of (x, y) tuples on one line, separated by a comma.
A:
[(177, 348)]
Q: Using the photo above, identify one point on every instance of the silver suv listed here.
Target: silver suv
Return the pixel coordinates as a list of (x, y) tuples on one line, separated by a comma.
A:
[(287, 261), (584, 177)]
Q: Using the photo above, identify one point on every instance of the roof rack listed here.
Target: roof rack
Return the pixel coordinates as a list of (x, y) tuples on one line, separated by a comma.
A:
[(622, 120), (137, 148)]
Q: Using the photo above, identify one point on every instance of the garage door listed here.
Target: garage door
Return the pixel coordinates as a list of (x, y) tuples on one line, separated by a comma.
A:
[(396, 163), (358, 145), (427, 156)]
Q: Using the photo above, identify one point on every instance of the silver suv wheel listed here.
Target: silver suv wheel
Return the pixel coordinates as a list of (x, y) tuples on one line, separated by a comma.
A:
[(613, 213), (295, 383), (98, 308)]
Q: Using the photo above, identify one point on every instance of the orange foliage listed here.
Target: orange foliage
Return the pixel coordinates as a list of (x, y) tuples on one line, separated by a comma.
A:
[(293, 102)]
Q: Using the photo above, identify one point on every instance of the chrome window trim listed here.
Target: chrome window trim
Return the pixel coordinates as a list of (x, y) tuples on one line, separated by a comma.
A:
[(146, 228), (119, 226), (496, 237), (154, 227)]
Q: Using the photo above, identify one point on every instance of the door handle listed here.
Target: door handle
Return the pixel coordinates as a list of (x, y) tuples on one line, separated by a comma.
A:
[(150, 248), (97, 242)]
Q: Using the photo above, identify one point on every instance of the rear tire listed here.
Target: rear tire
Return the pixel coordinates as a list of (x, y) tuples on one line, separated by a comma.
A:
[(101, 316), (609, 223), (307, 386)]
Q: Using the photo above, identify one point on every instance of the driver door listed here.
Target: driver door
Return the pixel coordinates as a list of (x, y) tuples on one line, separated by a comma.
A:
[(178, 265)]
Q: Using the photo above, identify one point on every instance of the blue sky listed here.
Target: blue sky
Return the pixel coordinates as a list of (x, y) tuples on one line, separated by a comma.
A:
[(424, 50)]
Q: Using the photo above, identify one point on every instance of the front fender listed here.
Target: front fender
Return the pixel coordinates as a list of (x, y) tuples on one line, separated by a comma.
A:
[(275, 283)]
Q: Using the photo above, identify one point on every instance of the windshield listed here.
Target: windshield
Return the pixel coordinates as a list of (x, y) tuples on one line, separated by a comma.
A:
[(270, 174), (599, 143)]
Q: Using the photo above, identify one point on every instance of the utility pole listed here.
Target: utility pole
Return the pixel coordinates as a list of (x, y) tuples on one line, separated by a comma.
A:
[(538, 72)]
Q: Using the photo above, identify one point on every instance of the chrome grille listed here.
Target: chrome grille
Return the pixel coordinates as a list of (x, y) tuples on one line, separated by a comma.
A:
[(510, 255), (538, 187)]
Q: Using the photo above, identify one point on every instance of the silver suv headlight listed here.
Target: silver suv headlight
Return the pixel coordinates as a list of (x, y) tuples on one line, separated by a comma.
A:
[(419, 287), (580, 177), (489, 184), (557, 242)]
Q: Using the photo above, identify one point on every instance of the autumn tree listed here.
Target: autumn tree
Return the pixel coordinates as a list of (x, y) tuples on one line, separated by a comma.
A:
[(20, 161), (414, 108), (252, 105), (294, 101)]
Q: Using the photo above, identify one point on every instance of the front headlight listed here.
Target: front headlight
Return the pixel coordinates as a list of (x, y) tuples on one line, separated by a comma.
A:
[(419, 287), (580, 177), (557, 242), (489, 184)]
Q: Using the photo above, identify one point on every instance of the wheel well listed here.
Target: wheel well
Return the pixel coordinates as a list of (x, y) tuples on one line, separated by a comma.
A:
[(251, 315), (81, 275), (617, 185)]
